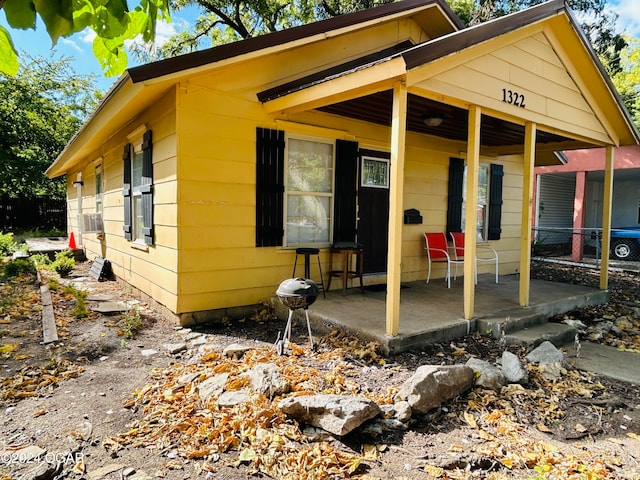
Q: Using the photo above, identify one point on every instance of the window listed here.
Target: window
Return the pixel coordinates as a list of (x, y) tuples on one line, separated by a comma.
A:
[(375, 172), (99, 189), (138, 190), (308, 191), (490, 178), (483, 190), (321, 186)]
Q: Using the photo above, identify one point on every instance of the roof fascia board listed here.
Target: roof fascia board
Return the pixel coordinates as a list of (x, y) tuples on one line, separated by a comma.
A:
[(300, 35), (362, 82)]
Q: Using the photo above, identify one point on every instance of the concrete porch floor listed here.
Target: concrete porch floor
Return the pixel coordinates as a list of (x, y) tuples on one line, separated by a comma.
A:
[(431, 313)]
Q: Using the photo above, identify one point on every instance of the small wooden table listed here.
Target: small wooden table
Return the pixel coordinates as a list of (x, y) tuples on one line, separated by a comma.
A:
[(346, 273)]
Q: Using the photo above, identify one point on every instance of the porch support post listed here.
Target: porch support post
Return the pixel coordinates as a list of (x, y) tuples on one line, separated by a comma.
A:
[(471, 209), (527, 211), (396, 191), (577, 242), (606, 216)]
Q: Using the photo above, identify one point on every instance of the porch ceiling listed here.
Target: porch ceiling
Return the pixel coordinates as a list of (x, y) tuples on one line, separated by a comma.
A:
[(495, 132)]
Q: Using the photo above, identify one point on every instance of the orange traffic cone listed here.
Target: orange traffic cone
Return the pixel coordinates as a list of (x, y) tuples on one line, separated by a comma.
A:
[(72, 242)]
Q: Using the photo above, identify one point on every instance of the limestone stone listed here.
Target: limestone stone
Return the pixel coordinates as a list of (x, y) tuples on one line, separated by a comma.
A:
[(431, 385)]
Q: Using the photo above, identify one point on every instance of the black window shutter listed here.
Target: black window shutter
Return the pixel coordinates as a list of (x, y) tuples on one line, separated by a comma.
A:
[(495, 201), (126, 191), (147, 188), (454, 206), (345, 195), (269, 187)]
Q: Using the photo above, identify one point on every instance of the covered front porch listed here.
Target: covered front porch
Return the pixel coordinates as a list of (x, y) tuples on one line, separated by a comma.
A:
[(431, 312)]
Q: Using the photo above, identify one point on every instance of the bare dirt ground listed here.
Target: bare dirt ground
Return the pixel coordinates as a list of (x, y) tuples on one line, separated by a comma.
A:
[(110, 400)]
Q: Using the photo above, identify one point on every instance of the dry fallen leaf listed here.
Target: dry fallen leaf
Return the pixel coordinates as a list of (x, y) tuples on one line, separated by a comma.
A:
[(543, 428), (471, 421), (370, 452), (8, 348)]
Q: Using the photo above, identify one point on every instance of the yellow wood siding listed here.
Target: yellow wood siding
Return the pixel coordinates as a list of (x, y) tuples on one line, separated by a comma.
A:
[(529, 67), (219, 264), (153, 270)]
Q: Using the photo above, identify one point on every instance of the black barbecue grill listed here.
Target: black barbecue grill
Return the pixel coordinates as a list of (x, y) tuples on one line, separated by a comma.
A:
[(295, 294)]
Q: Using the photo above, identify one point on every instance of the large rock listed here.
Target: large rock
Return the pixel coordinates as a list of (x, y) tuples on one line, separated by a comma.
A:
[(549, 359), (431, 385), (212, 387), (512, 368), (336, 414), (486, 374), (546, 353), (266, 379)]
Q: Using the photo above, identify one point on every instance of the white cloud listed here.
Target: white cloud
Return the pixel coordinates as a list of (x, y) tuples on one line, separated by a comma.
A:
[(71, 44), (628, 15), (164, 30)]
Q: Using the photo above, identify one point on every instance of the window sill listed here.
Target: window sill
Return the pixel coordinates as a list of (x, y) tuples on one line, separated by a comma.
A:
[(140, 246)]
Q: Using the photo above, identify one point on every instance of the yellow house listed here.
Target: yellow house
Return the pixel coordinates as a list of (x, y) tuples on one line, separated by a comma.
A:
[(209, 169)]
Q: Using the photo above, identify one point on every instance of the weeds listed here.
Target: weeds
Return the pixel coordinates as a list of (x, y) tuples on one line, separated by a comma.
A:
[(7, 244), (130, 324), (80, 310), (53, 284), (18, 267)]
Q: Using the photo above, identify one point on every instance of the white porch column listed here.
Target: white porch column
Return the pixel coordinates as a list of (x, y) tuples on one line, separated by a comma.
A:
[(527, 210), (606, 216), (396, 191), (471, 209)]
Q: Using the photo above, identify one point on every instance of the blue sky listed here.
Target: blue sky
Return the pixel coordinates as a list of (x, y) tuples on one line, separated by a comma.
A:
[(78, 46)]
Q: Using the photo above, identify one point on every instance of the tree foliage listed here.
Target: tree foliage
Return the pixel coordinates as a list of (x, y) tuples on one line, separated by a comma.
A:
[(41, 108), (627, 79), (111, 20), (225, 21)]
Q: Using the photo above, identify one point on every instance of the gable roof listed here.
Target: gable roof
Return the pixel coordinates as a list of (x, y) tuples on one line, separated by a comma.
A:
[(448, 22), (416, 60), (139, 86)]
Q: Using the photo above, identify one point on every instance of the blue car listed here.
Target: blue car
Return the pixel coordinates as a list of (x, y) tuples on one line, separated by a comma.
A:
[(625, 243)]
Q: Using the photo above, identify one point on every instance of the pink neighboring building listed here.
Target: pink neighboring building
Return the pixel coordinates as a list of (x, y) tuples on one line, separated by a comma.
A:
[(568, 197)]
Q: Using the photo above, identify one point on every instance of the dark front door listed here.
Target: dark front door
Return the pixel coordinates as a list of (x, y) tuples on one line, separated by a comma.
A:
[(373, 210)]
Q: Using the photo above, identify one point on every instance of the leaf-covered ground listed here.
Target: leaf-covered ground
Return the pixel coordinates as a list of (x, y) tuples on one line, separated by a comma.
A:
[(104, 399)]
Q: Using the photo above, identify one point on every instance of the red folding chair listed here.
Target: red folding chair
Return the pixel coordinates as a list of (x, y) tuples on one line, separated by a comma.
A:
[(437, 251)]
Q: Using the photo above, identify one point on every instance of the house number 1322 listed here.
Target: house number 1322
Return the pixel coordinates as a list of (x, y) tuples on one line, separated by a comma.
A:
[(513, 98)]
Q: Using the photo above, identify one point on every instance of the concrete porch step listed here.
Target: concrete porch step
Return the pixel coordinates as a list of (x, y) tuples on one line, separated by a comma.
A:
[(510, 320), (557, 333)]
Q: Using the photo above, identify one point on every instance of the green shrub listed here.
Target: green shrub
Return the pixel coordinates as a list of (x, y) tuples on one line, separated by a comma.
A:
[(7, 244), (19, 266), (81, 310), (41, 259), (64, 263)]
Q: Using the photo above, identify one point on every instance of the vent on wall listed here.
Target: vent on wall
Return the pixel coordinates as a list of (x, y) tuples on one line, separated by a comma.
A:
[(91, 222)]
